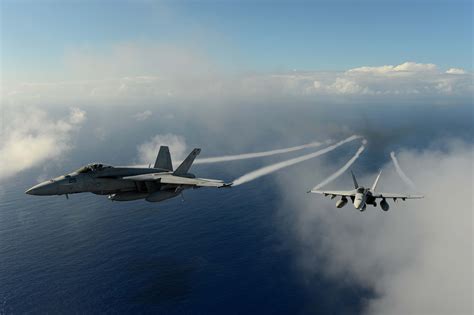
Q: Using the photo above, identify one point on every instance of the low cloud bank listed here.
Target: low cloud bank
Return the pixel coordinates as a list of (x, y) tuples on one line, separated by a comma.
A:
[(417, 257), (30, 138), (146, 72)]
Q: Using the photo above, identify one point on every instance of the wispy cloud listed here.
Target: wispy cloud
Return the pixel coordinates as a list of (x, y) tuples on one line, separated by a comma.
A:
[(405, 254), (141, 116), (30, 138), (146, 72)]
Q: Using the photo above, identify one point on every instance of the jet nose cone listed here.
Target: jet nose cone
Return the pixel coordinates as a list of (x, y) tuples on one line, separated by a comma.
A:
[(357, 203), (43, 189)]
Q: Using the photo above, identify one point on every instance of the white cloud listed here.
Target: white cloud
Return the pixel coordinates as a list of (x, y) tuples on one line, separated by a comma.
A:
[(141, 116), (418, 256), (455, 71), (347, 86), (77, 116), (31, 137), (406, 67), (130, 73), (148, 151)]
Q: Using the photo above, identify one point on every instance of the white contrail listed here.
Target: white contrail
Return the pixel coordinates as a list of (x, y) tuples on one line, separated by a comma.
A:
[(400, 173), (277, 166), (244, 156), (342, 169)]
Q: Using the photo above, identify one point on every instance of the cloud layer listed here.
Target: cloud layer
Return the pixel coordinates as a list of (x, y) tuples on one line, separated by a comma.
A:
[(30, 138), (417, 257), (145, 72)]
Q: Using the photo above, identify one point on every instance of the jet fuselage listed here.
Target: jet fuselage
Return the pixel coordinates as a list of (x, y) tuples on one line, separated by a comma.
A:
[(362, 198), (130, 183), (101, 180)]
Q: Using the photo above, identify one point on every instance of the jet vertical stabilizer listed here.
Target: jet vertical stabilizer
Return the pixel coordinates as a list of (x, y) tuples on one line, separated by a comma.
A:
[(376, 181), (183, 169), (163, 160), (354, 180)]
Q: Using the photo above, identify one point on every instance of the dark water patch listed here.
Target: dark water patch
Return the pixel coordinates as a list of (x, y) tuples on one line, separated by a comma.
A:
[(168, 279)]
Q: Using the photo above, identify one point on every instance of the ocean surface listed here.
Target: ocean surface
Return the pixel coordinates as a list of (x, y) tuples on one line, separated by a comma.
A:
[(218, 251)]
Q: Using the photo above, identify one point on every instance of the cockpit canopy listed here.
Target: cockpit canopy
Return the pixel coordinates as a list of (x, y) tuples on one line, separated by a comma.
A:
[(360, 190), (91, 168)]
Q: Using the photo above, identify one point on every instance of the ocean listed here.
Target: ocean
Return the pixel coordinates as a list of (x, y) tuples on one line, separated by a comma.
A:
[(217, 251)]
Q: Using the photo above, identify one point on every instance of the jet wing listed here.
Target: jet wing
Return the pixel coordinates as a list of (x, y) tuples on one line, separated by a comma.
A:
[(334, 193), (199, 182), (397, 196), (178, 180)]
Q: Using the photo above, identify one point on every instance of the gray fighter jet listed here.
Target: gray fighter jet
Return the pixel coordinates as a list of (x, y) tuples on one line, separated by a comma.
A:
[(129, 183), (361, 197)]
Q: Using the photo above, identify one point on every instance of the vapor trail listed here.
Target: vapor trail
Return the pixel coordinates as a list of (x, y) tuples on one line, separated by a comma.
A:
[(342, 169), (244, 156), (277, 166), (400, 173)]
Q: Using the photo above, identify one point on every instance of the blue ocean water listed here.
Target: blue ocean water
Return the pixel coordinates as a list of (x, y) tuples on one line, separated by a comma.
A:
[(219, 251)]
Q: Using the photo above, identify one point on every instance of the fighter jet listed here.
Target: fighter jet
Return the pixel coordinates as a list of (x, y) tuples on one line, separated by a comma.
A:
[(361, 197), (129, 183)]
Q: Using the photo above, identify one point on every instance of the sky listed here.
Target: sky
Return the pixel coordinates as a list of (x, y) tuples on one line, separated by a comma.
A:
[(111, 81), (240, 36)]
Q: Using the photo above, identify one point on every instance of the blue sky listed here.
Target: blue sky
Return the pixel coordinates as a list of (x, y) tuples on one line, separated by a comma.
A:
[(244, 35)]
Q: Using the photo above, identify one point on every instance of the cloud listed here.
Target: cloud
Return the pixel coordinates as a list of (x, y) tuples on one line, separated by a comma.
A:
[(138, 59), (141, 116), (347, 86), (417, 257), (77, 116), (144, 72), (406, 68), (148, 151), (455, 71), (31, 138), (406, 81)]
